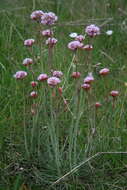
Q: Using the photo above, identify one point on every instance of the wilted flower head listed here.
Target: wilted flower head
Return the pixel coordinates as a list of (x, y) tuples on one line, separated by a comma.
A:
[(53, 81), (73, 35), (57, 74), (74, 45), (33, 94), (36, 15), (29, 42), (76, 75), (49, 18), (51, 41), (47, 33), (89, 78), (109, 32), (80, 38), (34, 83), (42, 77), (104, 71), (114, 93), (92, 30), (27, 61), (85, 86), (88, 47), (20, 74)]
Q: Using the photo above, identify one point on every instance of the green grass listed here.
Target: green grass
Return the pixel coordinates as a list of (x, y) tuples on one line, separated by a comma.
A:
[(50, 148)]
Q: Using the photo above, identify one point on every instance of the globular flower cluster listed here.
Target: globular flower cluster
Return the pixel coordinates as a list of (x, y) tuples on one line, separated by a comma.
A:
[(48, 18), (104, 71), (98, 104), (53, 81), (42, 77), (47, 33), (27, 61), (85, 86), (58, 74), (89, 79), (76, 75), (34, 94), (34, 83), (29, 42), (74, 45), (114, 93), (92, 30), (44, 18), (20, 75), (36, 15), (80, 38), (51, 41)]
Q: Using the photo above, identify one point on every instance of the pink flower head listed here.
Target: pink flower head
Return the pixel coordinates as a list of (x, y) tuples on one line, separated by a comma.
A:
[(89, 78), (98, 104), (53, 81), (74, 45), (42, 77), (33, 94), (104, 71), (34, 83), (29, 42), (85, 86), (76, 75), (88, 47), (47, 33), (36, 15), (92, 30), (57, 74), (27, 61), (48, 18), (51, 41), (114, 93), (20, 75), (80, 38)]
